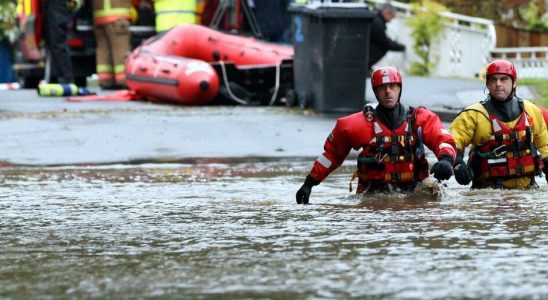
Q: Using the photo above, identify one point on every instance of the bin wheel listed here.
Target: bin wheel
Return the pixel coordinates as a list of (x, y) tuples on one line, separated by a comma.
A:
[(305, 100), (291, 98)]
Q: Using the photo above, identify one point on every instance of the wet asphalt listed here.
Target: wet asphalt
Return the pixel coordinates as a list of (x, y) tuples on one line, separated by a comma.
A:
[(51, 131)]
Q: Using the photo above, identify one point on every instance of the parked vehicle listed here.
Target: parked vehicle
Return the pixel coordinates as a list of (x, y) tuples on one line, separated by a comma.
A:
[(31, 58)]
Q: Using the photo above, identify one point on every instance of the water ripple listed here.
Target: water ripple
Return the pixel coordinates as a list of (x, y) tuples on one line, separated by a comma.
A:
[(233, 231)]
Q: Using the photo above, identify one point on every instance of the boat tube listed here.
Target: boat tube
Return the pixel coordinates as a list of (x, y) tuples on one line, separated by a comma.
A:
[(182, 80), (184, 64)]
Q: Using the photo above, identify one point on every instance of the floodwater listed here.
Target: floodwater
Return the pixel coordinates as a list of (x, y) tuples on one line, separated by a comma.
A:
[(214, 229)]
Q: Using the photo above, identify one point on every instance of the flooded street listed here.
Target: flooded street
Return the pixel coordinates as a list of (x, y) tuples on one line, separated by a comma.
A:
[(213, 229)]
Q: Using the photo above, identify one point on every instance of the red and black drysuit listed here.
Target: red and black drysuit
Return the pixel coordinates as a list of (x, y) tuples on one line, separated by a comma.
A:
[(390, 159)]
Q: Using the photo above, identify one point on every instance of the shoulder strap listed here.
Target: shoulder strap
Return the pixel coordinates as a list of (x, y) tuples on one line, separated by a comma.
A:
[(411, 119)]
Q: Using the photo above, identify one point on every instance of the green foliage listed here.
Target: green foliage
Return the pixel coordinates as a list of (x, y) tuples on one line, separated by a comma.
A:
[(534, 17), (8, 26), (530, 15), (426, 26), (541, 87)]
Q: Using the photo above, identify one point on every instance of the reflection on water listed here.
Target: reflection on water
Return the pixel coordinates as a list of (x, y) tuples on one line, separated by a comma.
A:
[(208, 230)]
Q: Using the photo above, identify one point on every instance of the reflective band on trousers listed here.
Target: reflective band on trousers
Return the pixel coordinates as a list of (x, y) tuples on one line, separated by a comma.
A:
[(111, 12)]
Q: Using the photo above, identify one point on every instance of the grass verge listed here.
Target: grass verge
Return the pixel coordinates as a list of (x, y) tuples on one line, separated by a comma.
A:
[(539, 87)]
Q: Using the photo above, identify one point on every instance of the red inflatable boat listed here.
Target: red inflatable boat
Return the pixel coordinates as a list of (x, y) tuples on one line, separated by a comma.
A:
[(169, 78), (172, 65)]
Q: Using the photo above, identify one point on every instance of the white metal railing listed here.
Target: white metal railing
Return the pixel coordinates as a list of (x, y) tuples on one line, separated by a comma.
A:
[(529, 61), (462, 49)]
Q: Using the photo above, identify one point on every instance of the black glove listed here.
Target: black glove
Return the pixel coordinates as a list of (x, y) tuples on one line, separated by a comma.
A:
[(443, 169), (545, 168), (304, 192), (463, 173)]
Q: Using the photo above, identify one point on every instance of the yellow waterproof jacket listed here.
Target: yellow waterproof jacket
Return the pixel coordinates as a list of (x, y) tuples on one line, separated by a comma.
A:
[(170, 13), (473, 127)]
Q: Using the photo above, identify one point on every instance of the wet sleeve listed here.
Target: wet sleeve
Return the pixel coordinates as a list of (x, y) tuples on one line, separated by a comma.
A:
[(463, 128), (336, 149), (540, 133), (435, 136)]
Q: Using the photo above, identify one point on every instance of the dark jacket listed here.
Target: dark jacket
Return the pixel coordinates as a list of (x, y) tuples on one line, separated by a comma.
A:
[(273, 19), (380, 42), (56, 19)]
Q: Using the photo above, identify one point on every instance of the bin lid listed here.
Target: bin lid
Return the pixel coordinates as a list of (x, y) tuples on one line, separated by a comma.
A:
[(334, 10)]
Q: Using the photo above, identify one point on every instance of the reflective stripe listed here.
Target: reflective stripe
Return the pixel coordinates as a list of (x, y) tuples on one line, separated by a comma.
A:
[(104, 68), (396, 177), (445, 145), (378, 128), (496, 126), (506, 136), (324, 161), (525, 170), (172, 13), (496, 160), (119, 68), (111, 12), (388, 139), (176, 12)]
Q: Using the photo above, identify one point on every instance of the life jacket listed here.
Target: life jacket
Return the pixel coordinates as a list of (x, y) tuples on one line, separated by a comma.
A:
[(509, 152), (393, 156)]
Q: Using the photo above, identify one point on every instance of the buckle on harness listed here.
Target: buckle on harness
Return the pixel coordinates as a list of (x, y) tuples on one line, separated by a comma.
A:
[(513, 136), (499, 151), (381, 158)]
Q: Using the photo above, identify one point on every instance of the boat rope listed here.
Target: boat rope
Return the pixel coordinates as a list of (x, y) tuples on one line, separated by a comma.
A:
[(230, 93), (242, 101), (277, 84)]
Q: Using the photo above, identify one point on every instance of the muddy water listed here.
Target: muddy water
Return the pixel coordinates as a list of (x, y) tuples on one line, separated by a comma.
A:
[(211, 230)]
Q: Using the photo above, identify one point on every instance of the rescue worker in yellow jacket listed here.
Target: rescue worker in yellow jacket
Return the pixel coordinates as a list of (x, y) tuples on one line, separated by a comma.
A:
[(508, 137), (111, 26), (170, 13)]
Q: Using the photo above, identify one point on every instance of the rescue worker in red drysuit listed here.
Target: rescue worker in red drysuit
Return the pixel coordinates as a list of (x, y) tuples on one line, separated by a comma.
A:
[(508, 136), (391, 137)]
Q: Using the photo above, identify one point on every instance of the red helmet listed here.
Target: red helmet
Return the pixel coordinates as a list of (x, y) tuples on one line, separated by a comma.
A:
[(501, 66), (384, 75)]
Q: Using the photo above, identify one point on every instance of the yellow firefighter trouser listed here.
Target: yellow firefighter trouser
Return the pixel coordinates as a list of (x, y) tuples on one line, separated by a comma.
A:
[(112, 48)]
